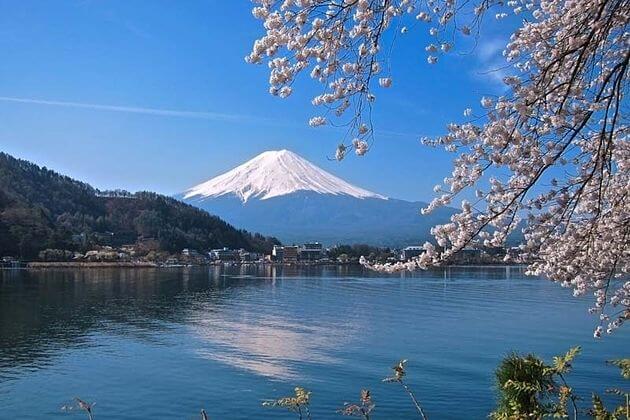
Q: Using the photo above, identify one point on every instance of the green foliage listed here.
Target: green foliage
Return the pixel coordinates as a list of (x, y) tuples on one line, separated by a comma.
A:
[(523, 383), (562, 364), (354, 252), (363, 409), (623, 364), (530, 388), (399, 374), (55, 255), (41, 209), (297, 403), (622, 412), (599, 411)]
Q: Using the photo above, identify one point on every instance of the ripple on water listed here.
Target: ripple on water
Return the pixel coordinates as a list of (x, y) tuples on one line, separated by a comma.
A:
[(163, 344)]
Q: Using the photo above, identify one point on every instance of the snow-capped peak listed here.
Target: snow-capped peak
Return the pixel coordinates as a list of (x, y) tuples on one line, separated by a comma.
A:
[(276, 173)]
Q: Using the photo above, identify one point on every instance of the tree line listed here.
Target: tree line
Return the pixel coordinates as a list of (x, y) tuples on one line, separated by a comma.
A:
[(42, 209)]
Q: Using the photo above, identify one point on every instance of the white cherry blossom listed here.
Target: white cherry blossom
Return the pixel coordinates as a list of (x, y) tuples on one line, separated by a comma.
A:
[(552, 154)]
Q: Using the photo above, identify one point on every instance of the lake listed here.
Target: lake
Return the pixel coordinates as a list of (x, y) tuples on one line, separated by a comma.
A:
[(164, 343)]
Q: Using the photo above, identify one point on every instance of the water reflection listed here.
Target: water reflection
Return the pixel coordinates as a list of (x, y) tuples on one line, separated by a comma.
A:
[(42, 312), (268, 345), (46, 312), (180, 339)]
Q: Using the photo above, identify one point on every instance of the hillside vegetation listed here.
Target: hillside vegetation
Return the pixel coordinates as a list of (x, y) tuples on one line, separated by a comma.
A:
[(41, 209)]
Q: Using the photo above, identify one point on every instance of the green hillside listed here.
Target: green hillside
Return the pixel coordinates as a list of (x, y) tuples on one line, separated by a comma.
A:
[(40, 209)]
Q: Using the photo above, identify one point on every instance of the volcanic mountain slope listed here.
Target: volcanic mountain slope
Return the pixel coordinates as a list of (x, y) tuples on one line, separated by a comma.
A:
[(281, 193), (274, 174)]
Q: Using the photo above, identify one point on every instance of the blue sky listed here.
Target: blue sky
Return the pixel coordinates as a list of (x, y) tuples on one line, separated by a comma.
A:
[(156, 96)]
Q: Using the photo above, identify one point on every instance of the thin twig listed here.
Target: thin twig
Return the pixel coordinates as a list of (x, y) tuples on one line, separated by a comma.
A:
[(413, 398)]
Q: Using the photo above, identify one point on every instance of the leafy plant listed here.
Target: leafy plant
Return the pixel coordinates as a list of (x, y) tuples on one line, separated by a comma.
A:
[(621, 412), (299, 403), (81, 405), (399, 374), (530, 388), (623, 364), (362, 409)]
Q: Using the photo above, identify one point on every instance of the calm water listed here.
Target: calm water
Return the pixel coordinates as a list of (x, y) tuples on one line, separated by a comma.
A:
[(165, 343)]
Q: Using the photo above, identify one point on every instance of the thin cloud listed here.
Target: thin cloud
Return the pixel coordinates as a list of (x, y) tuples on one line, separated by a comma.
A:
[(491, 66), (214, 116), (390, 133), (490, 49), (203, 115)]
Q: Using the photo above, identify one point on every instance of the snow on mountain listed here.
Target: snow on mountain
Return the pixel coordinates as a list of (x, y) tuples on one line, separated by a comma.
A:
[(282, 194), (273, 174)]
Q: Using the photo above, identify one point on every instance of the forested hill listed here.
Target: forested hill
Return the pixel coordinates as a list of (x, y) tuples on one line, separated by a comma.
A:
[(41, 209)]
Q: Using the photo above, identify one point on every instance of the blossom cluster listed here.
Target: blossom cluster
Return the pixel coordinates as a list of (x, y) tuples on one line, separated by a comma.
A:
[(551, 155), (341, 44), (562, 135)]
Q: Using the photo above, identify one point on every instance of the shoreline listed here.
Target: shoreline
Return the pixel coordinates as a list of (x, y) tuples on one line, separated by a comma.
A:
[(146, 264), (70, 264)]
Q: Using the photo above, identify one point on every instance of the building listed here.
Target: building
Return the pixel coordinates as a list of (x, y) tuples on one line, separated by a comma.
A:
[(468, 255), (80, 239), (312, 251), (516, 255), (494, 253), (106, 253), (290, 253), (277, 254), (411, 252), (187, 252), (172, 261), (225, 254), (103, 238), (9, 262), (129, 249), (246, 256)]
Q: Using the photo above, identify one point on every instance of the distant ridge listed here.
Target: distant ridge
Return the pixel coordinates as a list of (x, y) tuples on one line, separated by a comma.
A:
[(282, 194)]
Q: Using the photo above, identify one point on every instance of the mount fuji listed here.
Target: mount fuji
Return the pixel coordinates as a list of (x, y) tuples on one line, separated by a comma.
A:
[(282, 194)]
